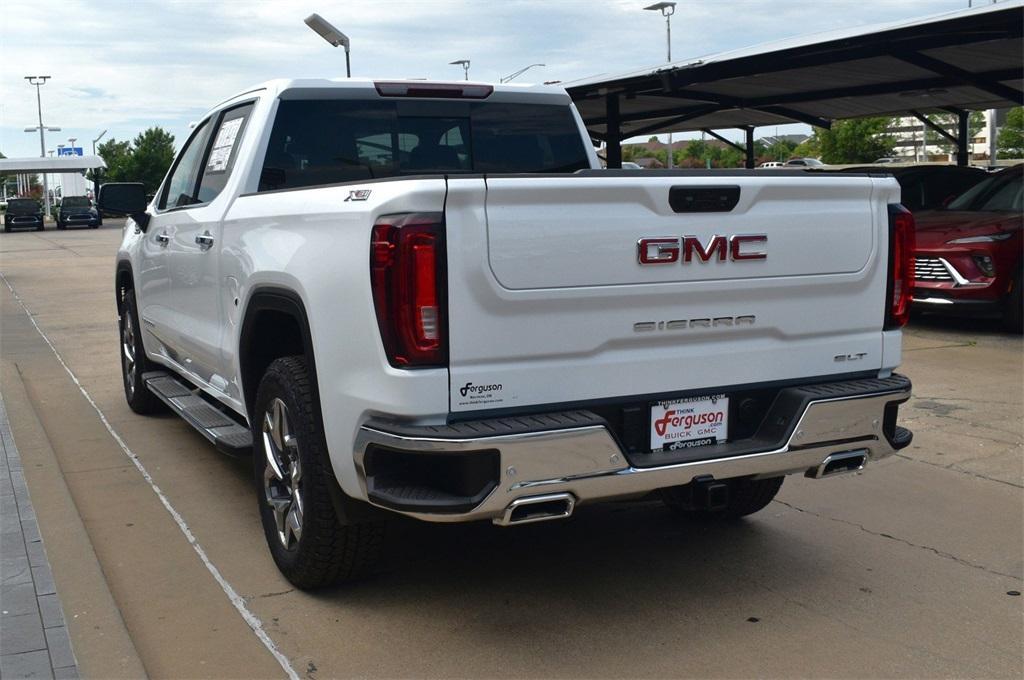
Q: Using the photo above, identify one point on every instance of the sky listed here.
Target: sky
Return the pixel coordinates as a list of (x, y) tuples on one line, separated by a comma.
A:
[(123, 66)]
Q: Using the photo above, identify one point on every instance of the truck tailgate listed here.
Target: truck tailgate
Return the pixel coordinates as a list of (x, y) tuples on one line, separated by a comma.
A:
[(549, 303)]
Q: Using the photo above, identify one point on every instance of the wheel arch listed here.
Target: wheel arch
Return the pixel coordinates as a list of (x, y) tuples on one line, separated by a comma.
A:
[(274, 324), (124, 279)]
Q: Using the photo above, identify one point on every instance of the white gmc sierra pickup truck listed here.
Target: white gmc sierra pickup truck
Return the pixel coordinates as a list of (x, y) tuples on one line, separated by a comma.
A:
[(429, 299)]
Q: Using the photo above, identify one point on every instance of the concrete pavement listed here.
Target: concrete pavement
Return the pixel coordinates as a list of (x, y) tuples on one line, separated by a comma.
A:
[(907, 569)]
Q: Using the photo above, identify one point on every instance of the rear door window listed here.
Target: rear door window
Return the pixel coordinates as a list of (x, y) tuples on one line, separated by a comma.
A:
[(221, 157)]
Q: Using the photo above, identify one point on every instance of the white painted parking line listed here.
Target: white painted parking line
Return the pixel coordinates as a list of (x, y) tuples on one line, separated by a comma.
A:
[(250, 619)]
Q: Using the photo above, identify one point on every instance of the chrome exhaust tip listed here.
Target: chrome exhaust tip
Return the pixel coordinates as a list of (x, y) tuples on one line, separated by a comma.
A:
[(840, 463), (537, 509)]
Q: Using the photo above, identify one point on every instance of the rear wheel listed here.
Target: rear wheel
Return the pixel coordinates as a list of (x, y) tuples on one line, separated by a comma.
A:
[(293, 477), (133, 360), (745, 497), (1013, 312)]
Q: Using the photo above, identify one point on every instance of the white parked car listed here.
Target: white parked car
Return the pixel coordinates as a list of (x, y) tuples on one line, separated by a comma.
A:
[(772, 164), (429, 299)]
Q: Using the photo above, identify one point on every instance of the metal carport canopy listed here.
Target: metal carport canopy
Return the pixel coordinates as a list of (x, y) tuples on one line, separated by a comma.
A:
[(11, 166), (957, 61)]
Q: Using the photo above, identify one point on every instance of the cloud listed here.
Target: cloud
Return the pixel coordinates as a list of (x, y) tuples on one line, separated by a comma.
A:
[(124, 66)]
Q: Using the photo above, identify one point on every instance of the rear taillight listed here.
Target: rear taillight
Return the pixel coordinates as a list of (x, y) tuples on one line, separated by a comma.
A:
[(901, 266), (407, 270)]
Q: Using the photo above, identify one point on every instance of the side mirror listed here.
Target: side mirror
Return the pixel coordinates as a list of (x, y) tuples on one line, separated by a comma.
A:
[(125, 198)]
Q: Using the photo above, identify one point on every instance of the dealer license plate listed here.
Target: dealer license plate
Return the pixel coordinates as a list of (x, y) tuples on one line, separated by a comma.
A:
[(686, 423)]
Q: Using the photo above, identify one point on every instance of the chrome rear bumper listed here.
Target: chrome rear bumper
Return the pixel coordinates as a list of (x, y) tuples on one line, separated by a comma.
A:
[(587, 462)]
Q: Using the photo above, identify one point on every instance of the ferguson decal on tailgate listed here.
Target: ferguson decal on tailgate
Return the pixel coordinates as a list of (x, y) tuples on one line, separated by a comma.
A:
[(472, 394)]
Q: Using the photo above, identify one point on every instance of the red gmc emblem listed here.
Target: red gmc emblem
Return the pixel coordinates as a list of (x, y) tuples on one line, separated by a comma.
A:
[(668, 249)]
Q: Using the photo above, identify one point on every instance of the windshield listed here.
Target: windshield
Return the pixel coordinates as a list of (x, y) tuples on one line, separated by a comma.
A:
[(1000, 193), (22, 206), (317, 142), (75, 202)]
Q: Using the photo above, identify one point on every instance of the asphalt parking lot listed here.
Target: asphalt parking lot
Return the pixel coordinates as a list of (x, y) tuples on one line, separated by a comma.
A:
[(907, 569)]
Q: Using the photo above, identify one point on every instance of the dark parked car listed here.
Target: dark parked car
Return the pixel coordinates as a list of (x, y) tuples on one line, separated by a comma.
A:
[(968, 256), (78, 211), (23, 213), (927, 187), (804, 163)]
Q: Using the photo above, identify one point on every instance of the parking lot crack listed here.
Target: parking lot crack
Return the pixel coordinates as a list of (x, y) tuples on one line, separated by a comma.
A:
[(881, 534), (283, 592), (952, 467)]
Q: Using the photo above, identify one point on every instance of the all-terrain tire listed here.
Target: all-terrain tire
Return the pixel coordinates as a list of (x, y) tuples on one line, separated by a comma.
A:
[(327, 551), (746, 496), (133, 360)]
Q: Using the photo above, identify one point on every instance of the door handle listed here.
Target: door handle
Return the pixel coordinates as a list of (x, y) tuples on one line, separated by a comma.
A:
[(163, 238), (205, 240)]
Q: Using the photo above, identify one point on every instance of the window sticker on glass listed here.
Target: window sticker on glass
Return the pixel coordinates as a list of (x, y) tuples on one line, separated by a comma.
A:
[(222, 146)]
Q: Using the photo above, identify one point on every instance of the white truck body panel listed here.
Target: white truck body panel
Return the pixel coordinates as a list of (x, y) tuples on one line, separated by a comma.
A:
[(544, 288)]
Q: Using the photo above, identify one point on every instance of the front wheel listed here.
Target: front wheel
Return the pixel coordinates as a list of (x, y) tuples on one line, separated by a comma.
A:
[(293, 477), (746, 496)]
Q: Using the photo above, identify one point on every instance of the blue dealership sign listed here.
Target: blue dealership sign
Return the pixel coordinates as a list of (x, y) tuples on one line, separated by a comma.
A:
[(70, 151)]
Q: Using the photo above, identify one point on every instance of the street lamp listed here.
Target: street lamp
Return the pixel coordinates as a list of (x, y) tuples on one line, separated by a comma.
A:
[(96, 140), (72, 140), (39, 81), (331, 35), (518, 73), (464, 63), (667, 9), (96, 171)]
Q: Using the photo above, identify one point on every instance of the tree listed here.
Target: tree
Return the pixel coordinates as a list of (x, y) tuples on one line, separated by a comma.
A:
[(809, 148), (152, 153), (115, 154), (1011, 136), (858, 140), (780, 150)]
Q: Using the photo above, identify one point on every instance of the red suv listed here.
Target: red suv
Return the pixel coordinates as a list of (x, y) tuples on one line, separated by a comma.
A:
[(968, 256)]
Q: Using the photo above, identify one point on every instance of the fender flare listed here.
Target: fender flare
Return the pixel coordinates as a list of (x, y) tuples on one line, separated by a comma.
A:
[(285, 301)]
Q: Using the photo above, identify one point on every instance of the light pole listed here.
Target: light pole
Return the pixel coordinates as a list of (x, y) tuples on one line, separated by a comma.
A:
[(517, 73), (96, 140), (464, 63), (667, 9), (96, 171), (39, 81), (72, 140), (331, 35)]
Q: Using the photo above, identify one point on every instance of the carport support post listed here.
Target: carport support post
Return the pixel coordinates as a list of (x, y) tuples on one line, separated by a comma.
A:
[(613, 134), (962, 155), (750, 147)]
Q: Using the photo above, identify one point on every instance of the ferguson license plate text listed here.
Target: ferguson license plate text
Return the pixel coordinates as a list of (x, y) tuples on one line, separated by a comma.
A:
[(685, 423)]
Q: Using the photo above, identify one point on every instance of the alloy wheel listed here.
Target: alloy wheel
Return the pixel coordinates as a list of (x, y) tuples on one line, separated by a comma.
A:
[(128, 349), (282, 476)]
